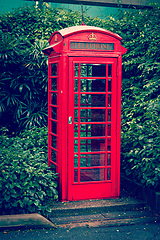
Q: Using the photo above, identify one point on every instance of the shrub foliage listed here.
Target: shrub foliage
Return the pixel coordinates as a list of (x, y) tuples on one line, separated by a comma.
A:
[(23, 78), (26, 183), (141, 97)]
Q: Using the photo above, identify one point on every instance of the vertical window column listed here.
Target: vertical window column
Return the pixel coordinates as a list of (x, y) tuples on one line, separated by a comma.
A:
[(53, 113), (109, 111)]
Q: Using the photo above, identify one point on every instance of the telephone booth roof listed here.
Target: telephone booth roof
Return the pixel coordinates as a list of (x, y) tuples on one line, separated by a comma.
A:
[(80, 32), (83, 28)]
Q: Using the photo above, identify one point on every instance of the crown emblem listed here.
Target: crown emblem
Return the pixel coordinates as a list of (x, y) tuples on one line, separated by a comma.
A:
[(92, 37)]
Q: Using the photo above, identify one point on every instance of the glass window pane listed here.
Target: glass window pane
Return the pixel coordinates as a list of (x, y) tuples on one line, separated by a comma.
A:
[(109, 115), (76, 74), (53, 167), (76, 130), (75, 160), (108, 159), (108, 144), (85, 130), (99, 70), (109, 130), (92, 115), (93, 70), (75, 146), (85, 161), (76, 100), (89, 160), (53, 155), (93, 85), (109, 85), (76, 85), (86, 70), (109, 100), (54, 113), (93, 100), (76, 175), (85, 145), (54, 84), (98, 145), (109, 70), (54, 127), (89, 130), (54, 98), (54, 69), (75, 115), (108, 174), (85, 115), (54, 141), (95, 145), (87, 175)]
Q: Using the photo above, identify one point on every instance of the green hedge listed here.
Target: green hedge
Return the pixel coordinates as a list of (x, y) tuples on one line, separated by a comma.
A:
[(23, 78), (140, 151), (27, 184)]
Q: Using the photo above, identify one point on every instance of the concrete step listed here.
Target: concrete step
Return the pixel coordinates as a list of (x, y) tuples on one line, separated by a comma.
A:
[(104, 219), (123, 203)]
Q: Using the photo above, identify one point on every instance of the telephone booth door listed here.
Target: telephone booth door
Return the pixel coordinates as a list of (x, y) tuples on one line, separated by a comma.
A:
[(93, 168)]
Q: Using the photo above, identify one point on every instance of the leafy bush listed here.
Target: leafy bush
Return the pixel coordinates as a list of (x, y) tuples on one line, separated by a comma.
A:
[(23, 73), (140, 97), (141, 143), (27, 185), (23, 78), (23, 83)]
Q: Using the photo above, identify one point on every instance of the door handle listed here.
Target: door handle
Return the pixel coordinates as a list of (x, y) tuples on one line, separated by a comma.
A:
[(70, 120)]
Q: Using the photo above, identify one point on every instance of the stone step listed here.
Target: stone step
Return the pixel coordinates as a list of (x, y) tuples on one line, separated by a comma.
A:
[(105, 219), (123, 203)]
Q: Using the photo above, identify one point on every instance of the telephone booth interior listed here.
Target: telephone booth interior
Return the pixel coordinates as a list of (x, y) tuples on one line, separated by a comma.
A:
[(84, 111)]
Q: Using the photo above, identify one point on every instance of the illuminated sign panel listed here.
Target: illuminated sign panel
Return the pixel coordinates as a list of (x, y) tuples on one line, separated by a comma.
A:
[(92, 46)]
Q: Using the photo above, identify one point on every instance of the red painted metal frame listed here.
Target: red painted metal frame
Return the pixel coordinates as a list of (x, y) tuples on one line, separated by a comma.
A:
[(59, 52)]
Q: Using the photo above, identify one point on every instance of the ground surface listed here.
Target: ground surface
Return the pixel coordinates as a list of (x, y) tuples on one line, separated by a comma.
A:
[(132, 232)]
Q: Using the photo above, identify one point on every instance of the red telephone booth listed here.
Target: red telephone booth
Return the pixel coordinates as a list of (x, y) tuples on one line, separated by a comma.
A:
[(84, 111)]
